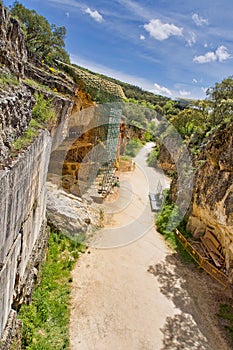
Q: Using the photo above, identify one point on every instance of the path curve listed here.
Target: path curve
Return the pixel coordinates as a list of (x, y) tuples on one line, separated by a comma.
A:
[(135, 296)]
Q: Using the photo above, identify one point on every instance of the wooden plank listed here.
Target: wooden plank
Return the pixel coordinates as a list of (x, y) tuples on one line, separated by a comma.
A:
[(208, 234), (206, 265), (211, 247), (215, 259)]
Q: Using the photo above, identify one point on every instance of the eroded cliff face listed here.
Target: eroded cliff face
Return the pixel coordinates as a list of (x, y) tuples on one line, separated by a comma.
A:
[(213, 191), (23, 222), (16, 104), (13, 53)]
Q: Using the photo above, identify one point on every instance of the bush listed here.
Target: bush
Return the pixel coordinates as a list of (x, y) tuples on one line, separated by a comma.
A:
[(167, 220), (133, 147), (152, 158), (24, 140), (43, 110)]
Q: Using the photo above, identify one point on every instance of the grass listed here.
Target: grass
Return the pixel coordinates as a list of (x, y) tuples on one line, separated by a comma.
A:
[(127, 158), (25, 140), (43, 111), (226, 312), (46, 319), (37, 85), (166, 220), (43, 116), (7, 79)]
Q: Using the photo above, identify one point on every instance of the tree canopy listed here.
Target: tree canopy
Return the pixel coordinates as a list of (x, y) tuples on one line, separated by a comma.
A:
[(47, 41)]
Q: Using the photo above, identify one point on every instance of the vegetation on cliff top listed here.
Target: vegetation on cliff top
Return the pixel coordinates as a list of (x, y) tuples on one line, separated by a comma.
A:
[(45, 40)]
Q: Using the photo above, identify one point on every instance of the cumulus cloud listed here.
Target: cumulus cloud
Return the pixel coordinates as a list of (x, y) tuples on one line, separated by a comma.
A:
[(142, 37), (161, 90), (95, 15), (198, 20), (221, 54), (162, 31)]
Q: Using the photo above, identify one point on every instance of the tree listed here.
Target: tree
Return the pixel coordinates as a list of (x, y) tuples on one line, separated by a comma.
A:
[(221, 96), (47, 41)]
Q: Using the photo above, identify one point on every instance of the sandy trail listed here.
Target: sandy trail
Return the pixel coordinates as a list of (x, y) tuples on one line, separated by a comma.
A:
[(137, 295)]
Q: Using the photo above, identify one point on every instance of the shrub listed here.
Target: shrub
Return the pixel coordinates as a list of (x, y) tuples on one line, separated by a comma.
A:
[(24, 140), (133, 147), (167, 220), (43, 110), (152, 158)]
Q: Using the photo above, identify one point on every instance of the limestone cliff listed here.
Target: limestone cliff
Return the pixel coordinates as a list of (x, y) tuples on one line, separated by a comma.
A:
[(13, 53), (23, 200), (23, 229), (213, 190)]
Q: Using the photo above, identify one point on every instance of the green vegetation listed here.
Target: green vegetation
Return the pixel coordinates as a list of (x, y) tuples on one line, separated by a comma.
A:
[(7, 79), (43, 39), (42, 115), (133, 147), (226, 312), (127, 158), (166, 220), (152, 158), (38, 86), (43, 110), (45, 320), (25, 140)]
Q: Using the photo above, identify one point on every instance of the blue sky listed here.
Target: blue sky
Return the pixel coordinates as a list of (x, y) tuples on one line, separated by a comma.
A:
[(176, 48)]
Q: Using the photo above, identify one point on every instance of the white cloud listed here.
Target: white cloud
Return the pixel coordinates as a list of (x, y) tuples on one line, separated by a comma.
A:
[(95, 15), (198, 20), (162, 31), (142, 37), (184, 93), (221, 54), (194, 81), (208, 57), (161, 90), (192, 40)]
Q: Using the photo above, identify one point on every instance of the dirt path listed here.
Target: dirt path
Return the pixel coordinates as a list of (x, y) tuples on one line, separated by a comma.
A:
[(138, 295)]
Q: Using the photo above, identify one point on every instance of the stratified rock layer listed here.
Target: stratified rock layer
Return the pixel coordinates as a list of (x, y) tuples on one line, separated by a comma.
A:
[(213, 191)]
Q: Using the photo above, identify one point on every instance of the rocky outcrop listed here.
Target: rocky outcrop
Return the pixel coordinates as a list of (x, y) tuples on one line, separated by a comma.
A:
[(13, 53), (70, 214), (213, 191), (15, 114)]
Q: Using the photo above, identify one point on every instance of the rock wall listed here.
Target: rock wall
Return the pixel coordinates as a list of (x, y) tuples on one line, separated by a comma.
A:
[(13, 53), (213, 191), (15, 114), (23, 208)]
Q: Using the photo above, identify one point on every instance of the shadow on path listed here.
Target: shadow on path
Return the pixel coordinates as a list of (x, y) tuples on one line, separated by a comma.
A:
[(197, 297)]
